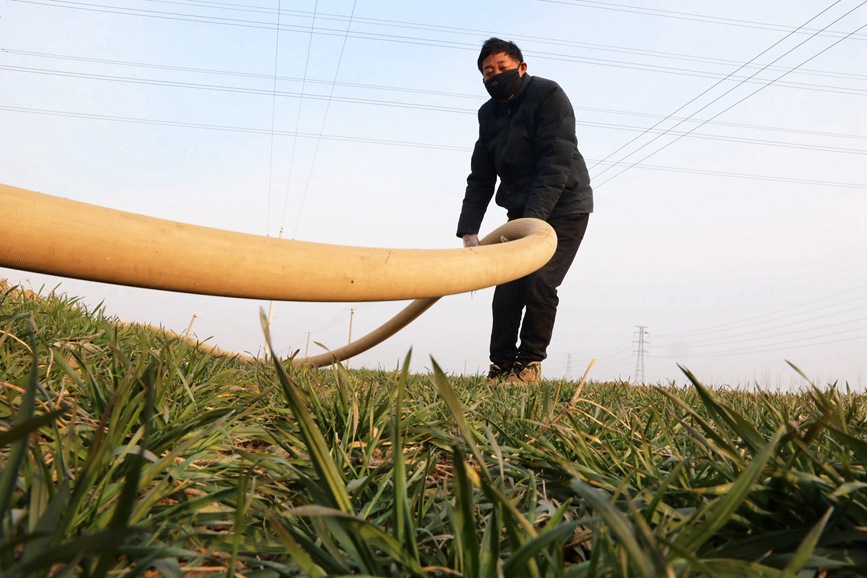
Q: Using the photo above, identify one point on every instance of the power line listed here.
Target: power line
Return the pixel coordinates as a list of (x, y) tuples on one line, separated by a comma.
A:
[(583, 46), (387, 22), (739, 101), (763, 332), (400, 143), (790, 344), (328, 98), (429, 92), (742, 337), (624, 363), (237, 129), (298, 119), (598, 5), (273, 119), (240, 74), (740, 140), (773, 315), (733, 333), (741, 67), (608, 63), (395, 38), (438, 108), (684, 16), (751, 177), (321, 126), (237, 89)]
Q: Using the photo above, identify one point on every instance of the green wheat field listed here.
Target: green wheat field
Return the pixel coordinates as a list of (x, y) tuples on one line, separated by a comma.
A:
[(126, 453)]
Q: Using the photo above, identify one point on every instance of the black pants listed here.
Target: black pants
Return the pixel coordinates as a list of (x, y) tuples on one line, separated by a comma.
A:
[(534, 296)]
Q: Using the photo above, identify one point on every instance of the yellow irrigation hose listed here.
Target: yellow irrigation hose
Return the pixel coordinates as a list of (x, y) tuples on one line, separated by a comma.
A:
[(46, 234)]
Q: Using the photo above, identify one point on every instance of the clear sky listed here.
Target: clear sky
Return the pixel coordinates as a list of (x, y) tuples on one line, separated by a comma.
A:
[(726, 143)]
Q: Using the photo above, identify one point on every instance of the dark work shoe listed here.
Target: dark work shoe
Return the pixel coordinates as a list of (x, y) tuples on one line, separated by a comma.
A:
[(525, 372), (497, 374)]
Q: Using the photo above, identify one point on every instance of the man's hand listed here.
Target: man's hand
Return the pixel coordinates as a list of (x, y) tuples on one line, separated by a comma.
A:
[(471, 240)]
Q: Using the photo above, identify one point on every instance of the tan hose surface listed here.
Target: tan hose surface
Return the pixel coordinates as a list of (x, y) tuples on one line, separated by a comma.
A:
[(406, 316), (46, 234), (56, 236)]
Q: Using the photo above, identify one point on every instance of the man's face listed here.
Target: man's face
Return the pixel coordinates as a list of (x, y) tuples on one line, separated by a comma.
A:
[(500, 62)]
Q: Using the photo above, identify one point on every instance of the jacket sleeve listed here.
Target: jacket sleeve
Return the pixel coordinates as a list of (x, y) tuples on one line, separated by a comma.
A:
[(555, 145), (480, 188)]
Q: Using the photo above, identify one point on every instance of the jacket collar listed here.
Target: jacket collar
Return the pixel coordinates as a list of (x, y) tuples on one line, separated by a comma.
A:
[(525, 80)]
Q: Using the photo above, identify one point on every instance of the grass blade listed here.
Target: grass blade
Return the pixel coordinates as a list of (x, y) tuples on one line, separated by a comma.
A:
[(805, 550), (466, 540), (310, 433), (403, 520), (719, 513), (619, 525), (19, 446)]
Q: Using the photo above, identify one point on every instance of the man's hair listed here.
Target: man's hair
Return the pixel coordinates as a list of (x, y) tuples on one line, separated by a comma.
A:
[(495, 45)]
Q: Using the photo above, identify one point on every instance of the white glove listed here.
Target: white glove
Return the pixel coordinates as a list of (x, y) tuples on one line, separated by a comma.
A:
[(471, 240)]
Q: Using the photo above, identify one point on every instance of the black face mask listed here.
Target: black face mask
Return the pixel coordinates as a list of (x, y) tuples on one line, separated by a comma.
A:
[(504, 85)]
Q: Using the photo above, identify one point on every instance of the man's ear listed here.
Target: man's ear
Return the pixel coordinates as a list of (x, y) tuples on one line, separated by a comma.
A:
[(522, 68)]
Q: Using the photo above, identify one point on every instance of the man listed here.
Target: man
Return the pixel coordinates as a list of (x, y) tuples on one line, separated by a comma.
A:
[(527, 140)]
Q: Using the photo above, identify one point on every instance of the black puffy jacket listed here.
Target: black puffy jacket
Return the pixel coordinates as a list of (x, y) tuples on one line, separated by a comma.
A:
[(530, 144)]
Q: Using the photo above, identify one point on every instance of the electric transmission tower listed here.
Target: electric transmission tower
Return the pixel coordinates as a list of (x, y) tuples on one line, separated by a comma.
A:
[(568, 367), (641, 342)]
